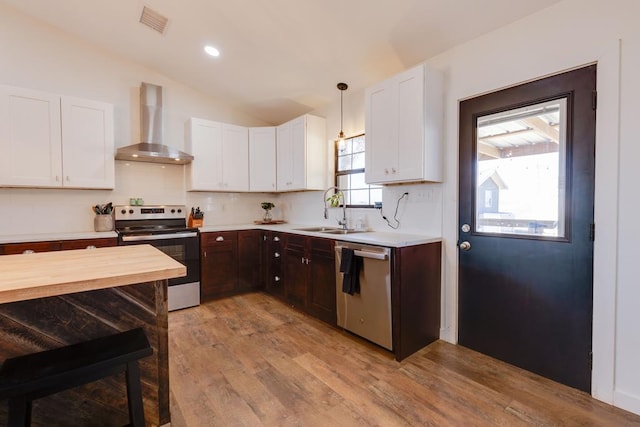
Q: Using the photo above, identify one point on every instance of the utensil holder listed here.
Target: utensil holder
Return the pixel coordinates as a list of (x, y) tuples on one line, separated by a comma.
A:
[(103, 223)]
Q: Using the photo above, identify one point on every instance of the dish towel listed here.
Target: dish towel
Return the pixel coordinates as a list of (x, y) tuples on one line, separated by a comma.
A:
[(350, 265)]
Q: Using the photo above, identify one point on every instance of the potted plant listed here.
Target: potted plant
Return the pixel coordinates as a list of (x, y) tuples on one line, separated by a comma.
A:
[(334, 200), (267, 206)]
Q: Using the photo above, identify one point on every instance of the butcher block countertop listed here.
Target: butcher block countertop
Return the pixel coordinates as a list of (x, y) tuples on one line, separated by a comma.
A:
[(39, 275)]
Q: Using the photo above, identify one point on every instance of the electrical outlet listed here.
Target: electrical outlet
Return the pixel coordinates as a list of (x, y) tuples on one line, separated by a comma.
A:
[(422, 195)]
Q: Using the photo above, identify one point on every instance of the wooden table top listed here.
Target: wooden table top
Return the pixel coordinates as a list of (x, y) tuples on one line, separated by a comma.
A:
[(45, 274)]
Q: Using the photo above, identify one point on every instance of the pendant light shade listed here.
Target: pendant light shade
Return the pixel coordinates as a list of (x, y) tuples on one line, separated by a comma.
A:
[(342, 87)]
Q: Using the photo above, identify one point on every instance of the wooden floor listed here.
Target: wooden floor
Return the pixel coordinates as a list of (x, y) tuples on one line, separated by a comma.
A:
[(251, 360)]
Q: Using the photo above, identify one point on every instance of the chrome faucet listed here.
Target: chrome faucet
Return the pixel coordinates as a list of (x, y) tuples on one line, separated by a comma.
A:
[(343, 221)]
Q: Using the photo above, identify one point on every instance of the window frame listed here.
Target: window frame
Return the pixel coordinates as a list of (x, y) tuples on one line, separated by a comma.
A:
[(337, 173)]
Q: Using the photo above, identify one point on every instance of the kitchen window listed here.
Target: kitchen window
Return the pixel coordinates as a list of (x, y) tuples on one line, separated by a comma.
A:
[(349, 177)]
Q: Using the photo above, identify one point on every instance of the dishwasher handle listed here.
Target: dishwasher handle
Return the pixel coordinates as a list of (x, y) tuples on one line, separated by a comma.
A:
[(382, 256), (363, 253)]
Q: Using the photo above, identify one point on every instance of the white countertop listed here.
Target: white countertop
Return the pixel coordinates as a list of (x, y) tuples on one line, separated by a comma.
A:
[(48, 237), (379, 238)]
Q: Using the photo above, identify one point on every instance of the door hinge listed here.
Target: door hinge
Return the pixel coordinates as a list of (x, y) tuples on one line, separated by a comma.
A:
[(592, 232), (594, 99)]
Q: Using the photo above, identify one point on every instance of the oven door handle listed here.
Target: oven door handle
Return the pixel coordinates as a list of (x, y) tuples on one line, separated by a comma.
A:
[(139, 238)]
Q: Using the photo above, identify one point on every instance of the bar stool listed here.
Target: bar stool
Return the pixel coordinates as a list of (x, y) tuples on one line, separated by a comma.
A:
[(32, 376)]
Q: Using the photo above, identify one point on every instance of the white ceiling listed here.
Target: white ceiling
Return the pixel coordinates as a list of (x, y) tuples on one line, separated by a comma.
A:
[(280, 58)]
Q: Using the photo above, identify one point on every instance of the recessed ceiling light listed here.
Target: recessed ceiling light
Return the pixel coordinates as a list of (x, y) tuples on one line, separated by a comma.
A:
[(212, 51)]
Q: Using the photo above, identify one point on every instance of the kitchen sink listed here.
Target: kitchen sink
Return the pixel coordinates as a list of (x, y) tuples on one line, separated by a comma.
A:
[(343, 231), (320, 229)]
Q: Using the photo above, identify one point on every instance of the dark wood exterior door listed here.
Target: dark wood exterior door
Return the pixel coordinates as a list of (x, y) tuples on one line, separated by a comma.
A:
[(526, 225)]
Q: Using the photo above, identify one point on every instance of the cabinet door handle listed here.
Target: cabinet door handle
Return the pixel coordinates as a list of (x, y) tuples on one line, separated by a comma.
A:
[(219, 239), (68, 178), (276, 254), (276, 239), (386, 171), (307, 261), (276, 278), (205, 254), (393, 170), (302, 260)]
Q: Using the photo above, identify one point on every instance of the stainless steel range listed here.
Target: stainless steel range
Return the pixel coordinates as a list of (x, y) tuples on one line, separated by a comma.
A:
[(164, 227)]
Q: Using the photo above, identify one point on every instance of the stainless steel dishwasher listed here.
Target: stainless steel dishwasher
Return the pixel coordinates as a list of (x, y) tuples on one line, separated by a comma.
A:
[(367, 313)]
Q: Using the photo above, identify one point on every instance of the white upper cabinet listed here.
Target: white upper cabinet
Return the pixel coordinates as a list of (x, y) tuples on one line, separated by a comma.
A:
[(302, 154), (403, 126), (87, 144), (235, 158), (221, 156), (54, 141), (262, 159)]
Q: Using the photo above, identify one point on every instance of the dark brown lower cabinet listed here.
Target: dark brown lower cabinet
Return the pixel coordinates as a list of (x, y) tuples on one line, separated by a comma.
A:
[(309, 276), (272, 262), (56, 245), (321, 288), (415, 295), (88, 243), (295, 270), (249, 260), (230, 263), (218, 264)]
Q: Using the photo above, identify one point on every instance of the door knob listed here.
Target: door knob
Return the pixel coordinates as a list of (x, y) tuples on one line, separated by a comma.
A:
[(465, 246)]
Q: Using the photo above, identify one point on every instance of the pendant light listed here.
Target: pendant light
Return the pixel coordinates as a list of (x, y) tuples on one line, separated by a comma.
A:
[(342, 87)]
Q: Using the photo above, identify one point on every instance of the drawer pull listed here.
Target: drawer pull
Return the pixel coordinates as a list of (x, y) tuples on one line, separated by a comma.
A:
[(276, 254), (28, 251), (276, 239), (276, 278), (219, 239), (90, 247)]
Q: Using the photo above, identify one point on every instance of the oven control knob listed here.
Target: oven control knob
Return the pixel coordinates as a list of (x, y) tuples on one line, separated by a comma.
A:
[(173, 211), (179, 210), (130, 211), (123, 211)]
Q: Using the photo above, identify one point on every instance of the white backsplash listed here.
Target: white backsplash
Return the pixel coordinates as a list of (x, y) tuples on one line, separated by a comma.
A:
[(233, 208), (419, 213), (37, 211)]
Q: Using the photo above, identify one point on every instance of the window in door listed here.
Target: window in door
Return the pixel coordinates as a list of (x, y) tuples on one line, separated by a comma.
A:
[(349, 177), (521, 171)]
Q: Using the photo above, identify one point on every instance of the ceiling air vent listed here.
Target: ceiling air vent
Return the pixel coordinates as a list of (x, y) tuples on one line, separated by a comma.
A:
[(153, 20)]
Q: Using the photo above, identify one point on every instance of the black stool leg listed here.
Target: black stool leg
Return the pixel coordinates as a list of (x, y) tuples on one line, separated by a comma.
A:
[(19, 412), (134, 395)]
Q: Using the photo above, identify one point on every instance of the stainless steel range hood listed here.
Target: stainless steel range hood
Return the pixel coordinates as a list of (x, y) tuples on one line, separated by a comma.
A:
[(151, 149)]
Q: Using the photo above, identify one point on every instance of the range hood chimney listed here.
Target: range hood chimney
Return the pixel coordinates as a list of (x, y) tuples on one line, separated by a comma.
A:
[(151, 149)]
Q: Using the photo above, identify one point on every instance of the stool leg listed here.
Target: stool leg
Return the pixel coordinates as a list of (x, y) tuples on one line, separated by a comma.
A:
[(134, 395), (19, 412)]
